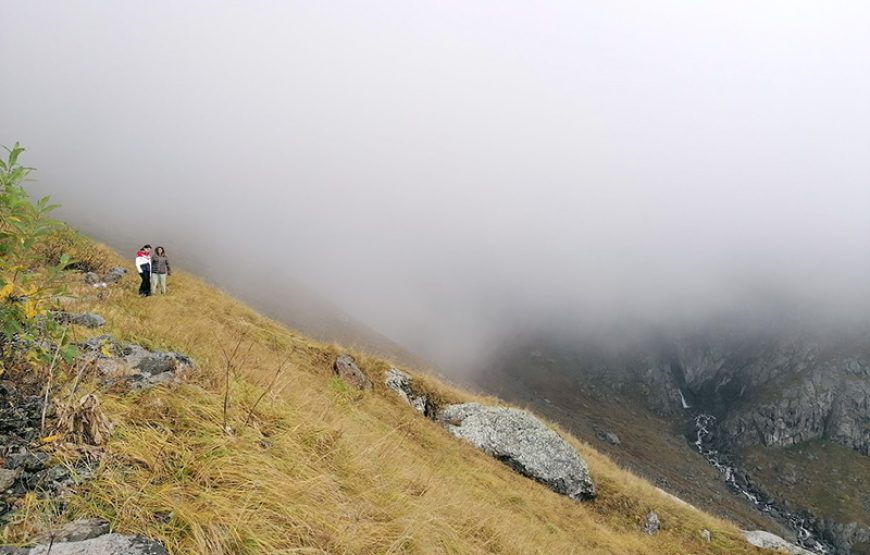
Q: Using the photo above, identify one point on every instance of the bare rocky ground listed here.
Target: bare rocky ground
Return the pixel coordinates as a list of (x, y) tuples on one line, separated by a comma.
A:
[(30, 430)]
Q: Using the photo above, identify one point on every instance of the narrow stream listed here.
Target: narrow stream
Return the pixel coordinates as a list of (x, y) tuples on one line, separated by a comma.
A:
[(806, 536)]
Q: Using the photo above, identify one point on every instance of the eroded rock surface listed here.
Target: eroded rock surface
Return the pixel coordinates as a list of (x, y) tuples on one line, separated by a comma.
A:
[(522, 442)]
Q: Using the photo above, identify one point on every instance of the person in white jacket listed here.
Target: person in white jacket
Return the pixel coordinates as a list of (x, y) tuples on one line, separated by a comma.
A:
[(143, 266)]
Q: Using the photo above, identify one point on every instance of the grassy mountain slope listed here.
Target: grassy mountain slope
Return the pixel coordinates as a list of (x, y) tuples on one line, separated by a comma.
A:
[(317, 467)]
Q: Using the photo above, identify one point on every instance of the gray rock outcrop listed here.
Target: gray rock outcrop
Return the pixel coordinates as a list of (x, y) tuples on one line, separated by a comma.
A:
[(825, 403), (114, 274), (400, 382), (132, 363), (523, 443), (766, 540), (108, 544), (76, 531), (651, 524), (346, 369), (608, 437), (85, 319)]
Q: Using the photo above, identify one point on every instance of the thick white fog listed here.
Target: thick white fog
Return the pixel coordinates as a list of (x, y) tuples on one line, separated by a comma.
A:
[(446, 171)]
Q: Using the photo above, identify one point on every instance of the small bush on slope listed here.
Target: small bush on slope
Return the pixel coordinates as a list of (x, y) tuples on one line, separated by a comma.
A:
[(28, 287), (322, 469)]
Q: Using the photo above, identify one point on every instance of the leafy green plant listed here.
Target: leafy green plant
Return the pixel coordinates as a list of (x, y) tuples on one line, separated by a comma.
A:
[(28, 288)]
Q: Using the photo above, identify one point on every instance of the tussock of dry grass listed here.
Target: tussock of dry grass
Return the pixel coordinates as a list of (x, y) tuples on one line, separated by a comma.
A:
[(322, 468)]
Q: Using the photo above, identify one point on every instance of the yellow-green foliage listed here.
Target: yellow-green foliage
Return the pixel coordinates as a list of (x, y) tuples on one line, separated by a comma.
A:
[(28, 287), (321, 467)]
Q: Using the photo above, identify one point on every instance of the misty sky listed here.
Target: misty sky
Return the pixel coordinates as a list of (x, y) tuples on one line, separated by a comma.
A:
[(442, 170)]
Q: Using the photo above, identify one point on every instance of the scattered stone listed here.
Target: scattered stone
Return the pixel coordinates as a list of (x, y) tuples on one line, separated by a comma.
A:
[(400, 382), (523, 443), (346, 368), (85, 319), (766, 540), (608, 437), (115, 274), (109, 544), (706, 535), (75, 531), (131, 363), (92, 278), (7, 478), (652, 524), (24, 469)]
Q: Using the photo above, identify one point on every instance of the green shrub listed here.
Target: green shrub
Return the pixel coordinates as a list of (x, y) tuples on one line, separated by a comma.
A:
[(28, 289)]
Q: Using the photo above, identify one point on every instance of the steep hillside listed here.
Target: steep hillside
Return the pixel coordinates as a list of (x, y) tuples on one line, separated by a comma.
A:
[(782, 412), (262, 449)]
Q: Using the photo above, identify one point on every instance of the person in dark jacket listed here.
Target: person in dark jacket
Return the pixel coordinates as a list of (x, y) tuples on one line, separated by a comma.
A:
[(143, 266), (160, 268)]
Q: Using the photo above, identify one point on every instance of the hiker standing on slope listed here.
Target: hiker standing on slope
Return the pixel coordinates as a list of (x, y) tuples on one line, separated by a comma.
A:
[(159, 270), (143, 266)]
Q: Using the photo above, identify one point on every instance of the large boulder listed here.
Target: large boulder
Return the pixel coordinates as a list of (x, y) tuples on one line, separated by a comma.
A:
[(108, 544), (766, 540), (400, 382), (346, 368), (522, 442)]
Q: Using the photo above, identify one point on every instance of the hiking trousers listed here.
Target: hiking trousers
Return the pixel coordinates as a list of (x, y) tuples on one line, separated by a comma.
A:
[(145, 286), (158, 282)]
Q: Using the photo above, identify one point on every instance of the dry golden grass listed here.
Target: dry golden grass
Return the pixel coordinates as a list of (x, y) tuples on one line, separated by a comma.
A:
[(322, 468)]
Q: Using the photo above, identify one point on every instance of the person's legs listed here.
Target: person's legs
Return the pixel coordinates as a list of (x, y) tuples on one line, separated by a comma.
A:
[(145, 286), (154, 280), (161, 283)]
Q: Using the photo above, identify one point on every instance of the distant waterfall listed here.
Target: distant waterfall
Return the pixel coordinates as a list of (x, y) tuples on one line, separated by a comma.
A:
[(806, 538), (683, 400)]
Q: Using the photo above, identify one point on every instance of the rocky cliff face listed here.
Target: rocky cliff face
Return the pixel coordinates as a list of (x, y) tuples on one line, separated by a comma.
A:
[(772, 391)]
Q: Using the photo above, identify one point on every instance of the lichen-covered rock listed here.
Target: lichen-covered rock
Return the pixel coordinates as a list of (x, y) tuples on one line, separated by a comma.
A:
[(522, 442), (400, 382), (346, 368), (91, 278), (108, 544), (766, 540)]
